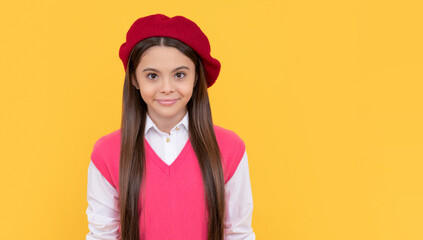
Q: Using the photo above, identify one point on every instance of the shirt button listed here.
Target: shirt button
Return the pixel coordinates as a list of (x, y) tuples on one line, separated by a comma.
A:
[(167, 139), (177, 128)]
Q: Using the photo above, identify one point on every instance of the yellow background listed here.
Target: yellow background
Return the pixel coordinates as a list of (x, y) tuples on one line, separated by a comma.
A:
[(327, 96)]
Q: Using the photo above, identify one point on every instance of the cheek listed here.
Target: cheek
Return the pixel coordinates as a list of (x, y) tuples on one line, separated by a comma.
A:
[(186, 91), (147, 92), (187, 88)]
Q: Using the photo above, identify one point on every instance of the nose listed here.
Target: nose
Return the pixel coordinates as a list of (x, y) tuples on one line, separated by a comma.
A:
[(167, 85)]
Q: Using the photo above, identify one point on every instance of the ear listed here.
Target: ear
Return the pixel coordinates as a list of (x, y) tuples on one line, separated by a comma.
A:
[(135, 83)]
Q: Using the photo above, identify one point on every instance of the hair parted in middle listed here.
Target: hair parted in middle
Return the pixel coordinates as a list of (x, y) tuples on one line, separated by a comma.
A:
[(201, 134)]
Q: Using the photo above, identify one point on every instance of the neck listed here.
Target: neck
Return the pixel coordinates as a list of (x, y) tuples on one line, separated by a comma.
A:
[(165, 124)]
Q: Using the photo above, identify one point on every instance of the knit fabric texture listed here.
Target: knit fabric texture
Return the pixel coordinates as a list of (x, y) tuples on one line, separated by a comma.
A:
[(172, 203)]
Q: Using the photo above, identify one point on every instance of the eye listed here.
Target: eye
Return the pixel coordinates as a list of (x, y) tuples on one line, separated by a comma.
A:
[(179, 74), (151, 74)]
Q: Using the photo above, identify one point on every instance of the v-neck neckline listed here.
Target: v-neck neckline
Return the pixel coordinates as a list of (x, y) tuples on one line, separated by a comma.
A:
[(160, 163)]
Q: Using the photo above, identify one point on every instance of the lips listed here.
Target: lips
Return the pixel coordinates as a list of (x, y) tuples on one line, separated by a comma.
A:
[(167, 101), (171, 99)]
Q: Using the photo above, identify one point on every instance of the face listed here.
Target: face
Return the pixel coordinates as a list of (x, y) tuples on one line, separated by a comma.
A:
[(165, 78)]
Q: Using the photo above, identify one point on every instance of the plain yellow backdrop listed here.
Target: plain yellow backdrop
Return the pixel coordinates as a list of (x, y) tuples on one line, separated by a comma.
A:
[(327, 96)]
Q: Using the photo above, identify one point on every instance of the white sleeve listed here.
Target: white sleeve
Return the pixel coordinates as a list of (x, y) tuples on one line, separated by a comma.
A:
[(103, 212), (239, 204)]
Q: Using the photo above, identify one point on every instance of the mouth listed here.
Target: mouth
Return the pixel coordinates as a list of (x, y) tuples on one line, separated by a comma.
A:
[(167, 102)]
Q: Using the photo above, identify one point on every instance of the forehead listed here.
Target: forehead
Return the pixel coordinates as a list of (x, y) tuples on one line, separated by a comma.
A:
[(164, 57)]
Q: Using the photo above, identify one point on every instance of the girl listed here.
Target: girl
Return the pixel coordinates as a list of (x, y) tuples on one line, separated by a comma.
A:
[(168, 172)]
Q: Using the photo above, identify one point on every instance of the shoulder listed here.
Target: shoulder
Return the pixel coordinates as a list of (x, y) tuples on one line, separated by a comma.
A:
[(105, 154), (226, 136), (107, 144), (108, 139), (232, 148)]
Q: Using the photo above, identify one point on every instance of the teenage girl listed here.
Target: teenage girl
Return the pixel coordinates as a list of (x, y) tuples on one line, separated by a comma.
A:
[(168, 172)]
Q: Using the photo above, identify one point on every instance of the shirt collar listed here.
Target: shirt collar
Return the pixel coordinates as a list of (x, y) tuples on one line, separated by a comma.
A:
[(150, 124)]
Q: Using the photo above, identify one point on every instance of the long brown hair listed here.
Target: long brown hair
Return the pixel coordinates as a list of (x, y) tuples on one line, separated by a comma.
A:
[(201, 134)]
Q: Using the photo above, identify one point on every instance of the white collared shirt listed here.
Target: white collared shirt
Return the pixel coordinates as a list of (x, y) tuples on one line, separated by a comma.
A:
[(103, 213)]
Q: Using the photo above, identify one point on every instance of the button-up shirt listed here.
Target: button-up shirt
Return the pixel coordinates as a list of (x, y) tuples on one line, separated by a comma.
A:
[(103, 212)]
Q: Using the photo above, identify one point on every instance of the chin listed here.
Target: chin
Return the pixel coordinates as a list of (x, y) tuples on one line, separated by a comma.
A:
[(168, 113)]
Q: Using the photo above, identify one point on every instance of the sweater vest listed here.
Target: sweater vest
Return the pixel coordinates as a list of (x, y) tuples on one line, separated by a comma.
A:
[(172, 202)]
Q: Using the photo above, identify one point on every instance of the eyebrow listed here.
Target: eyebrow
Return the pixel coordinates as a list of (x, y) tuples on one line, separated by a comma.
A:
[(153, 69)]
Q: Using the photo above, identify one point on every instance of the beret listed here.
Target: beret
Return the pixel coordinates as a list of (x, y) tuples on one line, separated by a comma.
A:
[(177, 27)]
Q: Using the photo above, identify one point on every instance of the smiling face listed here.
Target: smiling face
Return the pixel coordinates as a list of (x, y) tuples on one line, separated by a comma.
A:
[(165, 73)]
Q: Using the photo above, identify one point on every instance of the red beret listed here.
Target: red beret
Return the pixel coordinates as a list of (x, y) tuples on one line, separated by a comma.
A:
[(178, 27)]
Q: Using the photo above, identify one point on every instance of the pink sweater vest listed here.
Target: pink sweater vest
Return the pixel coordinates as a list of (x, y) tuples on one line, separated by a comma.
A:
[(174, 204)]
